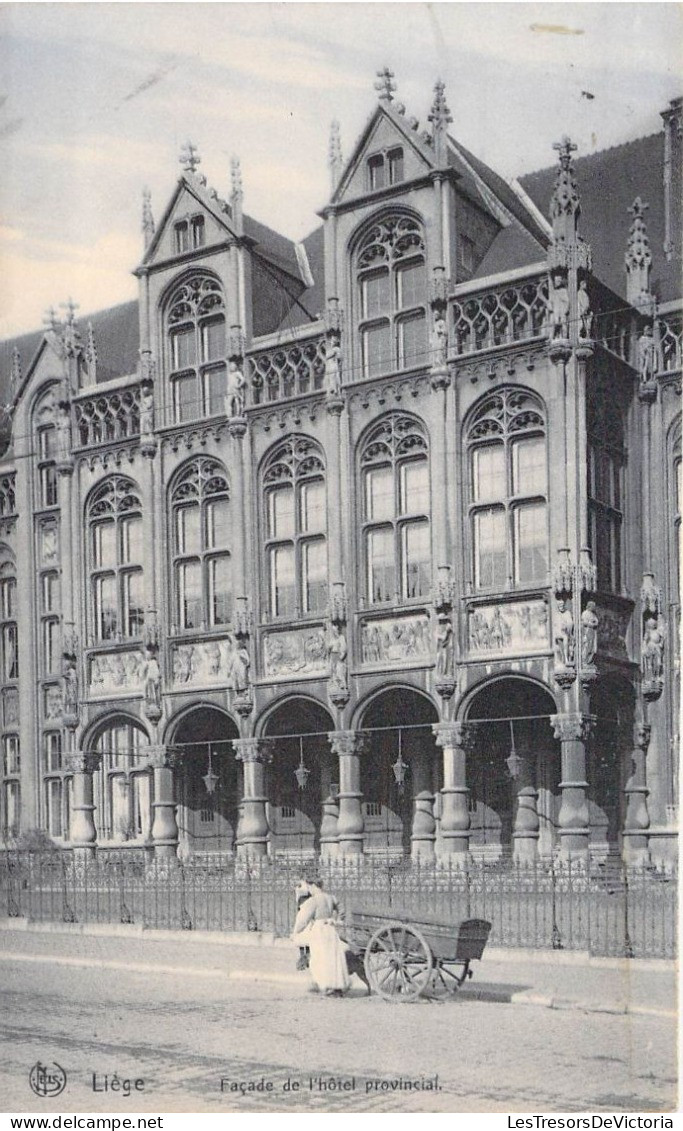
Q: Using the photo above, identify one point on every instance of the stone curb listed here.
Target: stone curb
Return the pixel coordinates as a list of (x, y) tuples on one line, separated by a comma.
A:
[(468, 993)]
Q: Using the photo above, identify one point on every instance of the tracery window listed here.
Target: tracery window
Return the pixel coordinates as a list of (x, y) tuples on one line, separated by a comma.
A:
[(123, 784), (391, 295), (202, 566), (295, 526), (9, 655), (507, 472), (606, 460), (57, 787), (10, 800), (114, 518), (396, 510), (195, 320)]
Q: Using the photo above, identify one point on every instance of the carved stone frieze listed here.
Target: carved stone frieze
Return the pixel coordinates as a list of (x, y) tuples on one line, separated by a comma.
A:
[(390, 392), (283, 419), (224, 662), (116, 673), (514, 626), (10, 707), (612, 628), (109, 458), (52, 703), (49, 544), (193, 438), (396, 640), (295, 652)]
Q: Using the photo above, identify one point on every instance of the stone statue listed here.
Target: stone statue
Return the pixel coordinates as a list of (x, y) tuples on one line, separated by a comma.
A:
[(234, 400), (652, 652), (646, 355), (70, 674), (239, 668), (564, 638), (589, 634), (558, 307), (152, 682), (444, 649), (146, 408), (337, 652), (439, 340), (333, 363), (585, 312)]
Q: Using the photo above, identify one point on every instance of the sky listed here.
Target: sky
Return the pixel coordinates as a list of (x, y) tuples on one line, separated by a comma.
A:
[(97, 99)]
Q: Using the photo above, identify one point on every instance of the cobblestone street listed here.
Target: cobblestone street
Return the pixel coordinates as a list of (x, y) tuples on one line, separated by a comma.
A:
[(187, 1038)]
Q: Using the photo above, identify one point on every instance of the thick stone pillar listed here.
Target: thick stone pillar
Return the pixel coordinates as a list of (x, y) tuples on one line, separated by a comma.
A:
[(164, 823), (329, 831), (423, 832), (526, 828), (253, 753), (455, 739), (348, 746), (573, 731), (637, 818), (82, 832)]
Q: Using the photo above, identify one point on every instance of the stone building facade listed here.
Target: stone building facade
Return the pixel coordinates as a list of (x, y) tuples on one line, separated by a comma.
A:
[(366, 544)]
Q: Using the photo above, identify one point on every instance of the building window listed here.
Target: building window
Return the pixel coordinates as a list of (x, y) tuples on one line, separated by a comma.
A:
[(391, 296), (202, 566), (189, 234), (57, 799), (396, 511), (47, 471), (9, 799), (507, 473), (295, 526), (606, 459), (116, 553), (8, 626), (197, 349), (385, 169), (123, 784)]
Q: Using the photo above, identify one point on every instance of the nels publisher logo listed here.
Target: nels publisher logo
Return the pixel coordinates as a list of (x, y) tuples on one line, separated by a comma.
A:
[(47, 1080)]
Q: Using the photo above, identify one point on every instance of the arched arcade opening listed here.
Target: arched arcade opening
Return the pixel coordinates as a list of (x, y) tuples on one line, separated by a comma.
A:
[(302, 774), (208, 786)]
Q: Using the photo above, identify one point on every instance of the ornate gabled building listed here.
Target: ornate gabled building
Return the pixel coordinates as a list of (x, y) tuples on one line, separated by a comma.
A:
[(366, 544)]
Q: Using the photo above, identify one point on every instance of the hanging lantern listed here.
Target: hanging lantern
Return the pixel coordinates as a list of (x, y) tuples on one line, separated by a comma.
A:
[(400, 769), (301, 773), (513, 761), (210, 779)]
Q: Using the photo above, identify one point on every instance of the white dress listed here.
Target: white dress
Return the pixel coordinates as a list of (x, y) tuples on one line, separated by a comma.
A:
[(314, 927)]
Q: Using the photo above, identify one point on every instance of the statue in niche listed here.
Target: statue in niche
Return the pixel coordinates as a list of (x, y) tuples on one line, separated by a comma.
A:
[(337, 652), (444, 649), (652, 652), (70, 677), (564, 637), (333, 365), (589, 634), (558, 307), (234, 400), (239, 668), (585, 312), (146, 408), (439, 339), (646, 355), (152, 682)]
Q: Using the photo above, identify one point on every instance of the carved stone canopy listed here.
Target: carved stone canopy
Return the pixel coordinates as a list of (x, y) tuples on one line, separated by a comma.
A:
[(253, 749), (460, 735), (347, 742)]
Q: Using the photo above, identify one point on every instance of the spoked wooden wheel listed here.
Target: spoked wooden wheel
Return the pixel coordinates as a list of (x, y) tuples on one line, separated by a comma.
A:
[(398, 962), (446, 978)]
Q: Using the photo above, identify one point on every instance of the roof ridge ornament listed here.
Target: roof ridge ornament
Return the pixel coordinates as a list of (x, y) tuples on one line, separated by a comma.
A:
[(440, 117), (335, 159), (385, 85), (189, 158), (567, 249), (91, 355), (236, 193), (147, 217), (71, 337)]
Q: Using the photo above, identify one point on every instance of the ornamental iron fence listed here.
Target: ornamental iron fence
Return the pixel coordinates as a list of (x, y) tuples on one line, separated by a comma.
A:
[(605, 909)]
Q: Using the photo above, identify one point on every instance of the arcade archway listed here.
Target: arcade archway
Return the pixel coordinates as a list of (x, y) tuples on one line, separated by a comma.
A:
[(207, 777), (302, 773)]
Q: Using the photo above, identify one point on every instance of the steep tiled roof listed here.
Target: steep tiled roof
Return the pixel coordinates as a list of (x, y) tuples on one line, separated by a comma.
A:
[(311, 302), (608, 184), (500, 188)]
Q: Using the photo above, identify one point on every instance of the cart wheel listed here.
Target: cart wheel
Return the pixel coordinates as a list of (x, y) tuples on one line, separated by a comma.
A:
[(398, 962), (447, 978)]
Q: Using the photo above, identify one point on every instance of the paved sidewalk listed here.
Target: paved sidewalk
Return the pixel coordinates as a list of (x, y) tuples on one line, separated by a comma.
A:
[(558, 980)]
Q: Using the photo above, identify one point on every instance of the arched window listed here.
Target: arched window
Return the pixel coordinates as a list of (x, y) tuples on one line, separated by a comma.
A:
[(507, 471), (606, 460), (8, 623), (46, 447), (115, 537), (392, 295), (396, 508), (202, 569), (195, 320), (295, 527), (123, 784)]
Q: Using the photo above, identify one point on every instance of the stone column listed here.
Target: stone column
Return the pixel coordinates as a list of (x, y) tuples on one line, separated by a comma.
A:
[(455, 739), (253, 753), (637, 819), (329, 831), (164, 824), (573, 731), (525, 833), (423, 832), (82, 832), (348, 745)]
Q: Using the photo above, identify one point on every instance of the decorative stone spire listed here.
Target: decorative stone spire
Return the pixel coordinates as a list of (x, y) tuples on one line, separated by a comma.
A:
[(50, 320), (335, 159), (147, 217), (638, 258), (440, 117), (71, 337), (385, 85), (15, 374), (236, 193), (189, 158), (568, 249), (91, 355)]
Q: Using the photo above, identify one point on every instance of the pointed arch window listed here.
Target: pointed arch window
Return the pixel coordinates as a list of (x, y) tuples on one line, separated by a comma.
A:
[(391, 285), (606, 461), (396, 511), (116, 554), (295, 527), (197, 348), (202, 566), (507, 471)]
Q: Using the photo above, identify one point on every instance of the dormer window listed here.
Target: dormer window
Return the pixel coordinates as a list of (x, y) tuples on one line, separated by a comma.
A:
[(189, 234), (385, 169), (197, 348)]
